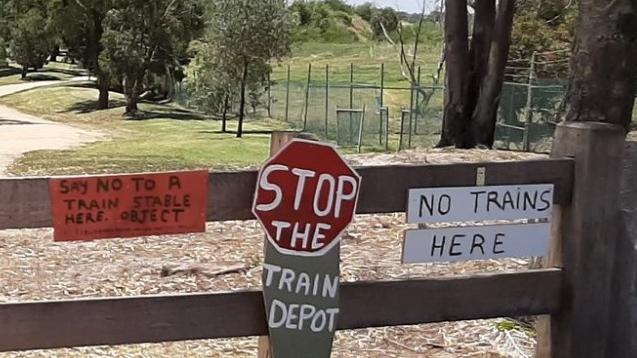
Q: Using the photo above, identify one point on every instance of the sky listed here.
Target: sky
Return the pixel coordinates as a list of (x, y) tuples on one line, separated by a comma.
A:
[(412, 6)]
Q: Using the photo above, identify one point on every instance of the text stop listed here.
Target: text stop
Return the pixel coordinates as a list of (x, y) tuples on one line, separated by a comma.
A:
[(304, 205)]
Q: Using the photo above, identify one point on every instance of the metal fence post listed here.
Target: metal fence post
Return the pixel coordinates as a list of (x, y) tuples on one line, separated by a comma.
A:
[(307, 95), (417, 113), (269, 94), (287, 97), (327, 99), (526, 145)]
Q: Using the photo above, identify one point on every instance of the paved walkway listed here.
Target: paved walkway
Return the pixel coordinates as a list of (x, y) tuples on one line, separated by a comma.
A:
[(21, 133)]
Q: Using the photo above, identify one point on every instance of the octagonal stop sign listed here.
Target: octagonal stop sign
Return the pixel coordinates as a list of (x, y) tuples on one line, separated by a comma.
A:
[(306, 196)]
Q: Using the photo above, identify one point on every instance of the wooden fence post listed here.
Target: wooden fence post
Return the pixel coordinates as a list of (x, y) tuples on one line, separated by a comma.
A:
[(623, 337), (278, 139), (590, 229)]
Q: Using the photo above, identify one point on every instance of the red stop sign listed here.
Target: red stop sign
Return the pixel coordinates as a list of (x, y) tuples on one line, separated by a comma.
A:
[(306, 196)]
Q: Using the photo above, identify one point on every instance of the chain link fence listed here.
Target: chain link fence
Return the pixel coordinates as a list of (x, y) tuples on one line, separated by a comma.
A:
[(353, 106)]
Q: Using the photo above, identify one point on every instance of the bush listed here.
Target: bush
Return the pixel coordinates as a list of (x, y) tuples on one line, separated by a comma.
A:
[(339, 5), (344, 17), (365, 11), (386, 17), (302, 11)]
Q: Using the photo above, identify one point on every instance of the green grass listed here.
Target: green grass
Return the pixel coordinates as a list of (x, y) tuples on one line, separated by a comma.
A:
[(167, 138), (366, 57), (51, 72)]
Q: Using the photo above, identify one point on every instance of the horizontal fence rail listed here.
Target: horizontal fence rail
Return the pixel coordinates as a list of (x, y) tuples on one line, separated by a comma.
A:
[(25, 203), (113, 321)]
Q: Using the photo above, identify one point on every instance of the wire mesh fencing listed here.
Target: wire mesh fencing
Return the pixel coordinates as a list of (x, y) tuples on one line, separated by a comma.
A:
[(355, 107)]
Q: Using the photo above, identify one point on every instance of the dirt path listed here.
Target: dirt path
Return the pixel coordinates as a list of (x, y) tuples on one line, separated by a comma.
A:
[(21, 133)]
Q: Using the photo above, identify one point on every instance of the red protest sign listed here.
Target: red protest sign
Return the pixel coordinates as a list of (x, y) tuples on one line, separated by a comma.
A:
[(306, 196), (89, 208)]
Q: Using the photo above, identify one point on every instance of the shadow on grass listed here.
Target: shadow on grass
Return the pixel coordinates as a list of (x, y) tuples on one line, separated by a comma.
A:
[(69, 72), (4, 121), (36, 77), (168, 113), (90, 106), (9, 71)]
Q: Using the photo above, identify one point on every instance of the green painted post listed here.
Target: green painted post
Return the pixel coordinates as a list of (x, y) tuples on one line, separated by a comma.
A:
[(327, 99), (382, 104), (351, 85), (526, 145), (269, 95), (351, 101), (417, 103), (307, 95), (287, 97), (360, 130), (411, 115)]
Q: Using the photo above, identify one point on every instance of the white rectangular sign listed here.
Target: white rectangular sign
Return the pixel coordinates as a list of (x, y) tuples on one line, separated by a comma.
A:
[(480, 203), (476, 243)]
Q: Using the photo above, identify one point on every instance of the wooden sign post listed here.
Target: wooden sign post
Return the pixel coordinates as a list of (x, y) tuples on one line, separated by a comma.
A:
[(304, 205), (477, 204)]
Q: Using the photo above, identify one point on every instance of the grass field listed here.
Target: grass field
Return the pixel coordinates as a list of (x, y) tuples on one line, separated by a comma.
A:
[(166, 138), (366, 57), (331, 63)]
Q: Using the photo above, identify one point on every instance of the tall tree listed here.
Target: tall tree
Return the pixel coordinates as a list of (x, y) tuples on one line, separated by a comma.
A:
[(29, 31), (80, 23), (247, 35), (140, 34), (215, 87), (603, 79), (475, 70)]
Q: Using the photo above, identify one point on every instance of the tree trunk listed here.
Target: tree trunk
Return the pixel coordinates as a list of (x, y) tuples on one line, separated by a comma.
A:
[(456, 122), (131, 105), (131, 89), (55, 52), (483, 24), (242, 102), (485, 114), (103, 79), (602, 83), (224, 116), (103, 84)]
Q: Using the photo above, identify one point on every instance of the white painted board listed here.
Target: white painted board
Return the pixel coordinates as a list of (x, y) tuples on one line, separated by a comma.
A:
[(476, 243), (480, 203)]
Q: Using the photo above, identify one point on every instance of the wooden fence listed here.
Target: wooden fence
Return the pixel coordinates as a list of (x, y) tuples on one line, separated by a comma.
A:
[(584, 187)]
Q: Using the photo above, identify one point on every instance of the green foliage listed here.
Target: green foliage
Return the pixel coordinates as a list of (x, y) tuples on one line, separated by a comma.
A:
[(3, 52), (140, 35), (30, 33), (339, 5), (365, 11), (542, 25), (326, 20), (387, 18), (80, 25), (242, 38), (430, 33), (303, 11)]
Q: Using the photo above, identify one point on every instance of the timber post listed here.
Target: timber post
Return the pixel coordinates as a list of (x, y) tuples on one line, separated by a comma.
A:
[(589, 232), (278, 140)]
